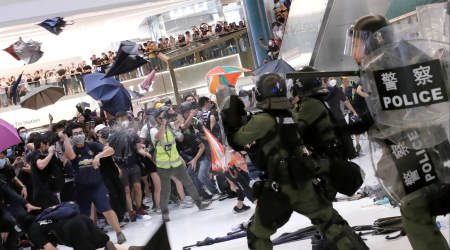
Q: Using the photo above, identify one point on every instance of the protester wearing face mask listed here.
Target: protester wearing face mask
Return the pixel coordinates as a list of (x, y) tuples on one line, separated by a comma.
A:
[(85, 157), (7, 174), (46, 172), (272, 48), (122, 119), (334, 99)]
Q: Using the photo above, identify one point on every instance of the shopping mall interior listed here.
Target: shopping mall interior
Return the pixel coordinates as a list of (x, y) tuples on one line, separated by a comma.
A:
[(90, 62)]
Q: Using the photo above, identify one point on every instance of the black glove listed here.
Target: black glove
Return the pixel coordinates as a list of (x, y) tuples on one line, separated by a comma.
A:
[(233, 117), (361, 125)]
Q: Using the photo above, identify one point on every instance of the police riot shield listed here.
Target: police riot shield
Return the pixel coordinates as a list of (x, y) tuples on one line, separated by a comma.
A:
[(406, 74)]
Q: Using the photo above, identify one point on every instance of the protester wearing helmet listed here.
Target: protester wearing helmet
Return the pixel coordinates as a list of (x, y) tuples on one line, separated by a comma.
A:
[(275, 149)]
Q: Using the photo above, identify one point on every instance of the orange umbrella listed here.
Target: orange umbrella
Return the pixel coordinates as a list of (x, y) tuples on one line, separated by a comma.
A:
[(223, 76)]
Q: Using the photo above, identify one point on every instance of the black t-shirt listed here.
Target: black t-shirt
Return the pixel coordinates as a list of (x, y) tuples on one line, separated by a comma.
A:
[(273, 48), (7, 174), (87, 67), (189, 146), (218, 28), (85, 156), (42, 179), (358, 102), (334, 100)]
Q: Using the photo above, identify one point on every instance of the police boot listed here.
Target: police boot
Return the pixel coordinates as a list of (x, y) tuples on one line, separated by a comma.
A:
[(318, 242)]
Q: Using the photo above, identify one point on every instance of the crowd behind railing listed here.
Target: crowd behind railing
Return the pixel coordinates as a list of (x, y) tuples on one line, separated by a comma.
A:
[(70, 77)]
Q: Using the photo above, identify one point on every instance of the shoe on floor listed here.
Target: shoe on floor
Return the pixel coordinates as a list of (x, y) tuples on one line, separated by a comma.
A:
[(165, 217), (120, 238), (156, 210), (186, 204), (240, 210), (141, 211), (215, 197), (202, 205), (132, 215)]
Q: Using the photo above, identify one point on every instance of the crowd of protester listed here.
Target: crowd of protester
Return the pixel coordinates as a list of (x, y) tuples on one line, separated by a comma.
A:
[(116, 169)]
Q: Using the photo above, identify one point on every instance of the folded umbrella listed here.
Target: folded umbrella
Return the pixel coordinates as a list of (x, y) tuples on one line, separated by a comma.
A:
[(10, 137), (42, 97), (148, 80), (54, 25), (29, 52), (127, 59)]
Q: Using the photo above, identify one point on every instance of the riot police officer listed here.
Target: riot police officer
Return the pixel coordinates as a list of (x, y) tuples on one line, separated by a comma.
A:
[(411, 133), (323, 136), (275, 149)]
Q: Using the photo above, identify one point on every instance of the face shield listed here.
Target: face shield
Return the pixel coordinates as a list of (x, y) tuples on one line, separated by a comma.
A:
[(356, 43)]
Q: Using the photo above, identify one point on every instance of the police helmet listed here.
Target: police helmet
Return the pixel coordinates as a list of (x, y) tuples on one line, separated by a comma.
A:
[(271, 92)]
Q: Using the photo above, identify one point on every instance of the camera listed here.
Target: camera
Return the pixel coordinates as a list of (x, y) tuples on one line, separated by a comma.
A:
[(170, 117)]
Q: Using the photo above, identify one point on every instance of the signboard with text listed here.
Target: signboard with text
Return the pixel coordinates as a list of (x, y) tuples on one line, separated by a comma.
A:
[(411, 86)]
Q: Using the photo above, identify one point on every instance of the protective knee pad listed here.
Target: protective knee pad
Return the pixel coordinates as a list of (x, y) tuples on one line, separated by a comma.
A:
[(356, 241)]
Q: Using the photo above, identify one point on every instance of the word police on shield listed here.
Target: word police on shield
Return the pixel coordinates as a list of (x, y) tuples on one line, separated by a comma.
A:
[(411, 86)]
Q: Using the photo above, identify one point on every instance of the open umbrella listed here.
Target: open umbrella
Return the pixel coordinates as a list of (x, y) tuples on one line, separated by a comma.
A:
[(101, 88), (120, 102), (29, 52), (42, 97), (275, 66), (127, 59), (113, 95), (225, 76), (54, 25), (9, 135)]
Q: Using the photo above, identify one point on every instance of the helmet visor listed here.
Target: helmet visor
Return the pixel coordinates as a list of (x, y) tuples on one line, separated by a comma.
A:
[(356, 43)]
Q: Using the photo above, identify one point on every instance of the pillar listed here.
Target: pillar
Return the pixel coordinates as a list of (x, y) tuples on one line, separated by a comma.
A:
[(257, 26)]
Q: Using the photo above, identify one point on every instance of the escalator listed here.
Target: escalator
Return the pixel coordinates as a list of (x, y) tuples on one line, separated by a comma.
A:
[(316, 31)]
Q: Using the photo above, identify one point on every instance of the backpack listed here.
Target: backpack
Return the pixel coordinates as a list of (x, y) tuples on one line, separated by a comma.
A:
[(65, 210)]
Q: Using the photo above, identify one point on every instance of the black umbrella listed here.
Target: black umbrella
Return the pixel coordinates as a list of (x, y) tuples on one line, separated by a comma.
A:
[(275, 66), (41, 97), (127, 59), (54, 25)]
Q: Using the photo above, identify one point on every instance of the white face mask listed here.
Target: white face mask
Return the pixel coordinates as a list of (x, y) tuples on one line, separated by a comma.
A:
[(270, 43), (125, 124), (332, 83)]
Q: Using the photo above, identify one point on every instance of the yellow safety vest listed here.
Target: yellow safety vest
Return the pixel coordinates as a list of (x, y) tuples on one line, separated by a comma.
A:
[(167, 158)]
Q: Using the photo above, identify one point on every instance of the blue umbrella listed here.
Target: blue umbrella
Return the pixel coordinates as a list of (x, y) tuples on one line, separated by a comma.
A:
[(120, 102), (54, 25), (275, 66), (101, 88)]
